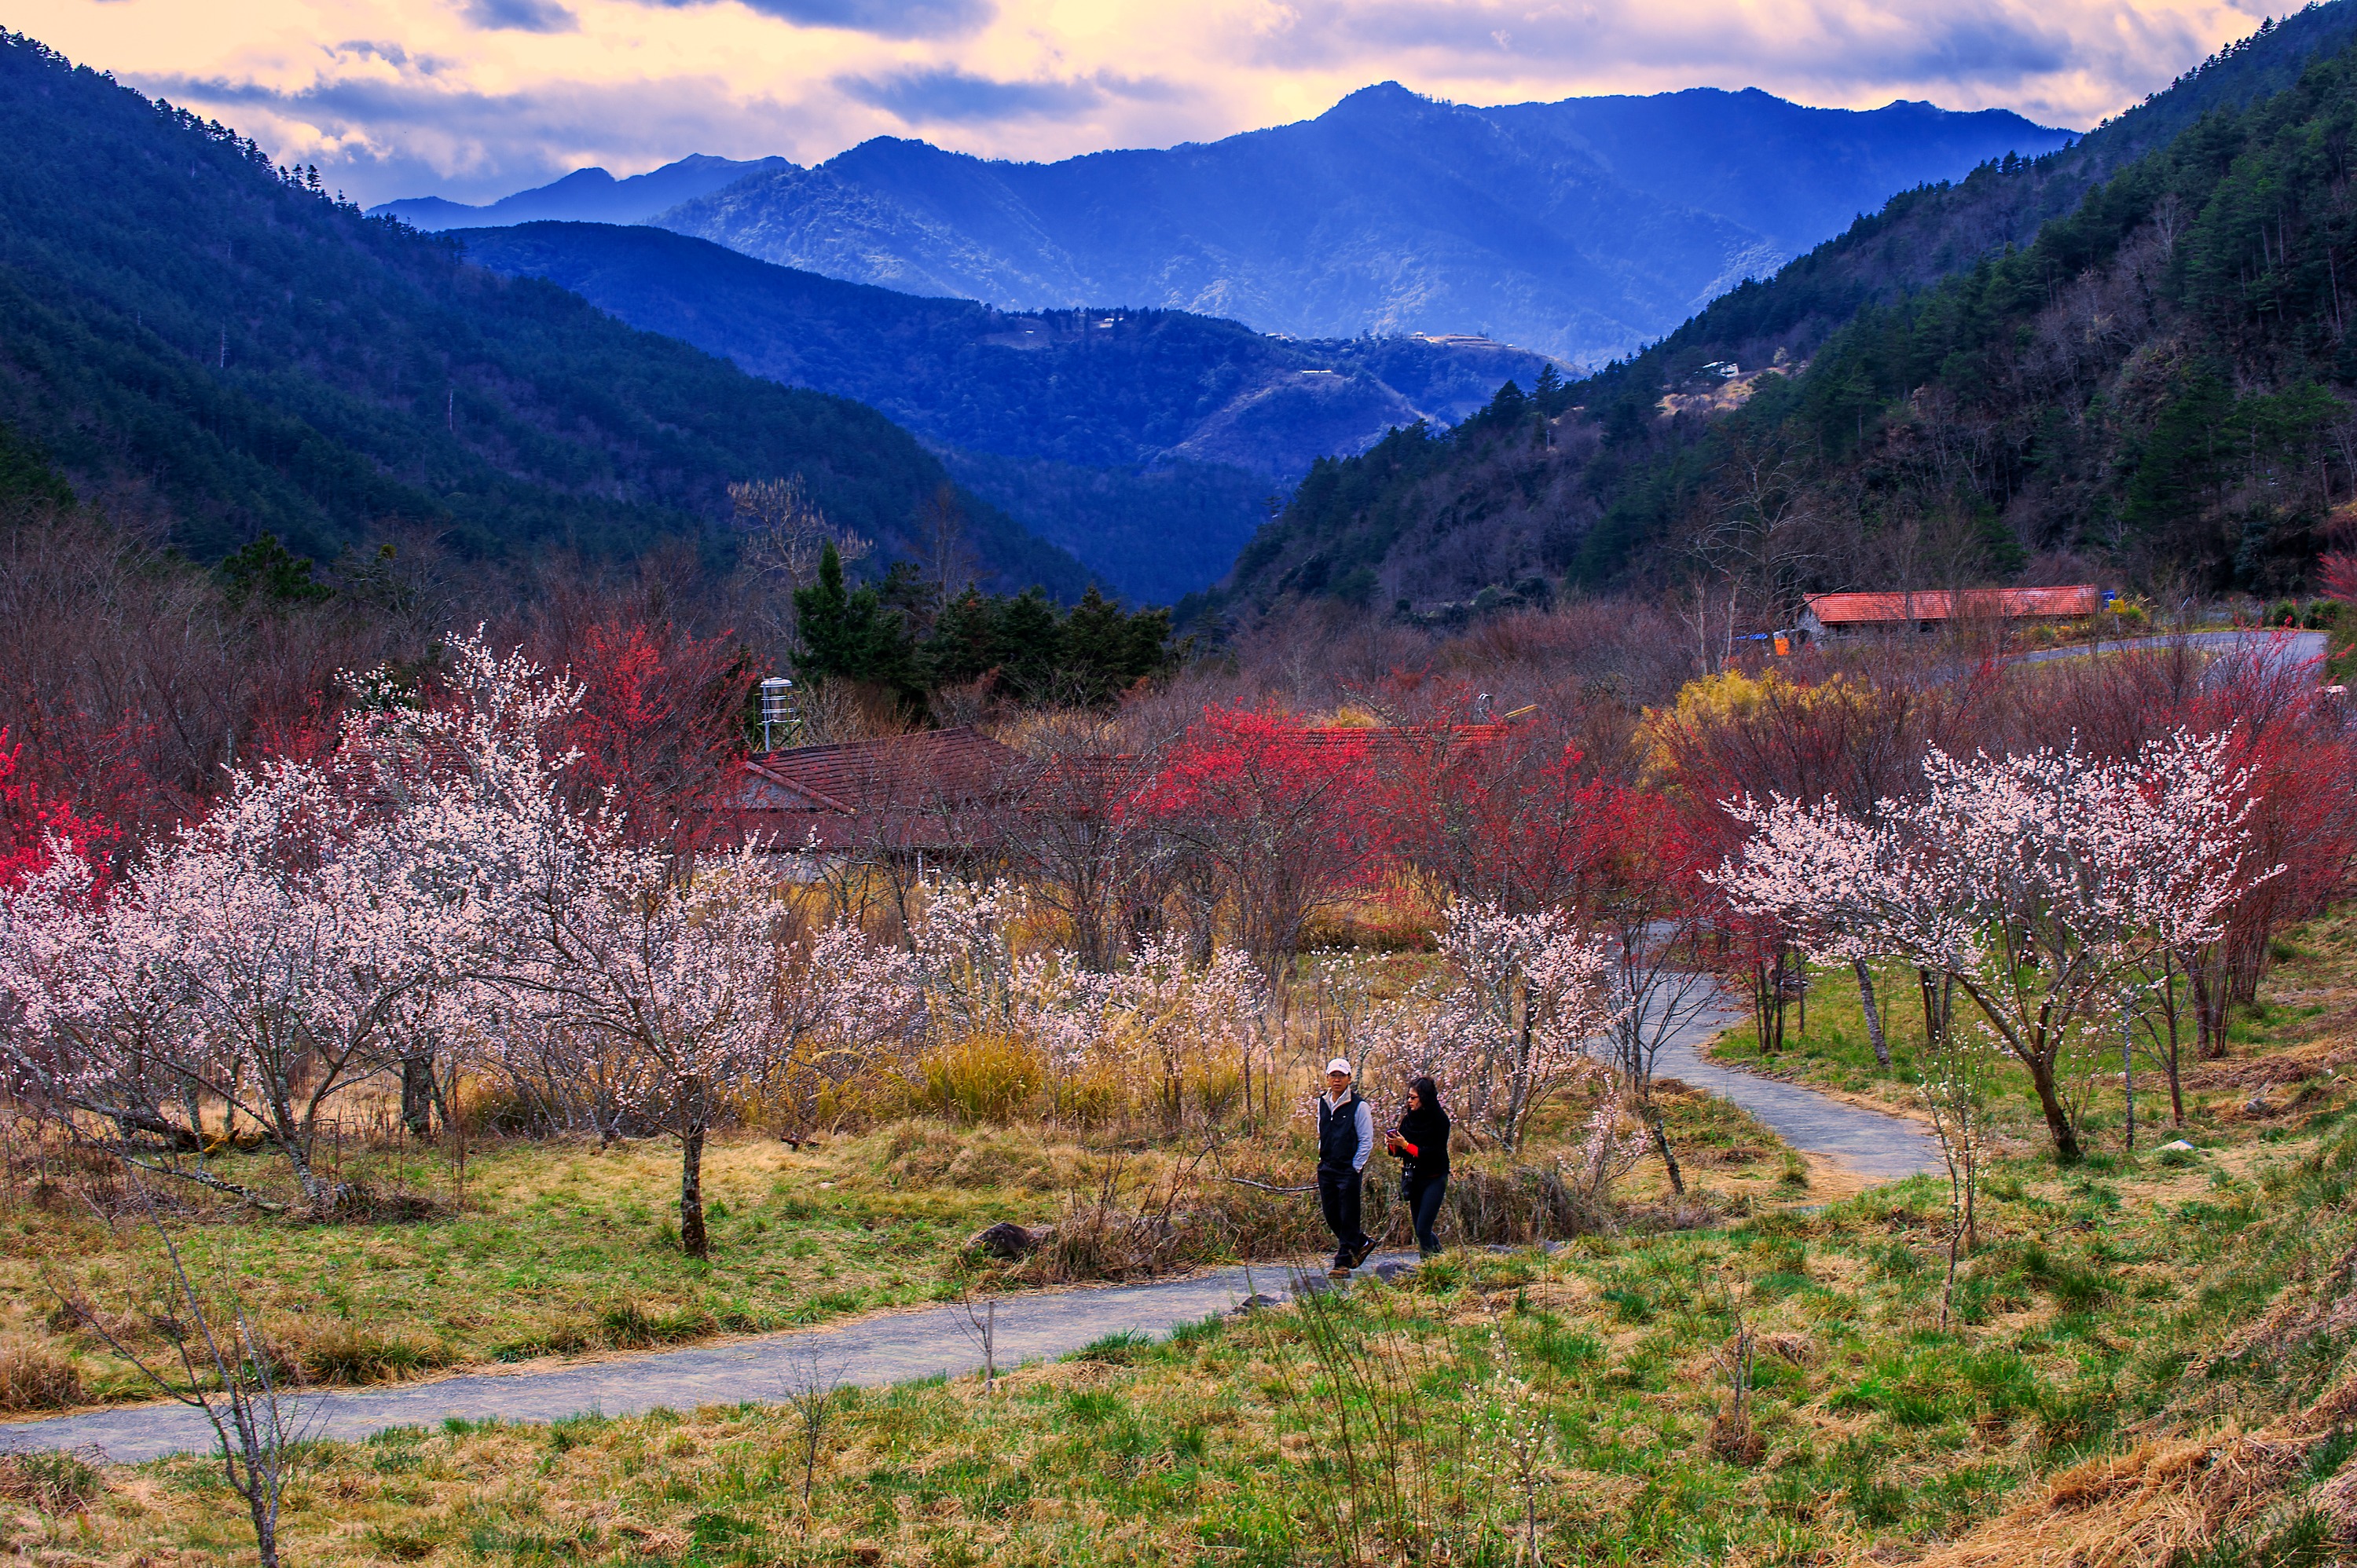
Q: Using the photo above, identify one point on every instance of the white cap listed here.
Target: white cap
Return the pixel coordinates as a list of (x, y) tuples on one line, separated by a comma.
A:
[(1339, 1065)]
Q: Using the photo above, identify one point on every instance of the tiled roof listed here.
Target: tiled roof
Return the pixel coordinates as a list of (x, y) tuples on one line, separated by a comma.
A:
[(1941, 603), (905, 792), (861, 774)]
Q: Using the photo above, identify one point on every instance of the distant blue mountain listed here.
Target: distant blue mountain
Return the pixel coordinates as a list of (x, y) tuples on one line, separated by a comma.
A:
[(1581, 229), (585, 196), (1145, 442)]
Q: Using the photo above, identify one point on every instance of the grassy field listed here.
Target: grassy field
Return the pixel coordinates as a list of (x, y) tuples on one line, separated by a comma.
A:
[(559, 1248), (2102, 1313), (2145, 1360)]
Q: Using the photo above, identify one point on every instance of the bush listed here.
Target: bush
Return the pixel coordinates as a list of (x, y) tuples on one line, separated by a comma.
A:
[(34, 1379), (981, 1078)]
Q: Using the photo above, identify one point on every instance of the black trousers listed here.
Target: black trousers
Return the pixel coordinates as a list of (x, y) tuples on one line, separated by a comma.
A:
[(1338, 1195), (1424, 1203)]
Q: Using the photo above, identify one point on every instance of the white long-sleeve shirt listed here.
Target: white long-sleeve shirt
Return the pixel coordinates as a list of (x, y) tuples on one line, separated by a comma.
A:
[(1366, 1126)]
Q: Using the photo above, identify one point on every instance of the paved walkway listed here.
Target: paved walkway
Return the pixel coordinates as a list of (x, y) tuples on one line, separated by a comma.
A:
[(1878, 1146), (892, 1348), (934, 1342)]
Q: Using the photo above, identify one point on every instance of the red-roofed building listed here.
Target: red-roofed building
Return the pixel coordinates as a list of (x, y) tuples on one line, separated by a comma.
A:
[(1832, 615), (900, 794)]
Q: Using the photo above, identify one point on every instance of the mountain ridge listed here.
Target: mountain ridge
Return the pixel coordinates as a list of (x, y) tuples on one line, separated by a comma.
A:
[(1390, 212), (182, 324), (1570, 228), (1234, 412), (585, 196)]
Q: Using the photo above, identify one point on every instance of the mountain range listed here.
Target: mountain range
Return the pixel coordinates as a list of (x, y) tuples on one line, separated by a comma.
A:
[(585, 196), (2128, 358), (186, 331), (1144, 442), (1582, 229)]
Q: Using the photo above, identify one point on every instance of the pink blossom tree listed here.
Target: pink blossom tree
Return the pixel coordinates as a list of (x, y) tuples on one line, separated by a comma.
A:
[(1515, 1023), (2034, 882), (682, 972), (259, 960)]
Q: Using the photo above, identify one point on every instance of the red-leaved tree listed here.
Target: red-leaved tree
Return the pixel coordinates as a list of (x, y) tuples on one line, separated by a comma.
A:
[(660, 723), (32, 820), (1282, 812)]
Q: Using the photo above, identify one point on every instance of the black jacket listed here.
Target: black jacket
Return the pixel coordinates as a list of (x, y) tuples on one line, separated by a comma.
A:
[(1426, 1127)]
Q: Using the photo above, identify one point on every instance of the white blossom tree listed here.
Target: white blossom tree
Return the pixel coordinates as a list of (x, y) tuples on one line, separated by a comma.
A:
[(2033, 881), (1514, 1024)]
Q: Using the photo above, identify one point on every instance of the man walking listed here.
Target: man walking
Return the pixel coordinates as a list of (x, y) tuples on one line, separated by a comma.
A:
[(1346, 1136)]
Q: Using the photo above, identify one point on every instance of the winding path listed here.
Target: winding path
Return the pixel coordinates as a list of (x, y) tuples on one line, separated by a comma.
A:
[(1876, 1146), (932, 1342)]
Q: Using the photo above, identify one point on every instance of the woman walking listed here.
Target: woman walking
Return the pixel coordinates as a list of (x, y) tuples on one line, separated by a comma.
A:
[(1421, 1143)]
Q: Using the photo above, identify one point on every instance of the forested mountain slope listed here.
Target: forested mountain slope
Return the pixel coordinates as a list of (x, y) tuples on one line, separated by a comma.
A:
[(1144, 442), (180, 321), (1965, 462), (1579, 228)]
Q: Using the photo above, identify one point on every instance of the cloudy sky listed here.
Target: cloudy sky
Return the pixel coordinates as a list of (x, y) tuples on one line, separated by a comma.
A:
[(472, 99)]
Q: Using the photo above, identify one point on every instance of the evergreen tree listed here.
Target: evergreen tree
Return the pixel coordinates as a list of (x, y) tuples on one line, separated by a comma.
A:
[(1027, 646), (963, 641), (850, 635)]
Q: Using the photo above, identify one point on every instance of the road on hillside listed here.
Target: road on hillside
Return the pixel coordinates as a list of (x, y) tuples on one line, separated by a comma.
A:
[(936, 1341), (2286, 647)]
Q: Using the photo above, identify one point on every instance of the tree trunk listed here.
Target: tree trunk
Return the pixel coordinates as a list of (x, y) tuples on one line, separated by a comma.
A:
[(692, 1238), (1661, 1147), (1873, 1014), (2058, 1121), (417, 1095)]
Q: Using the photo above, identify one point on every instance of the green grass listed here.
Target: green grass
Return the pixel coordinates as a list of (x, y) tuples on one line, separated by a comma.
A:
[(1876, 1428)]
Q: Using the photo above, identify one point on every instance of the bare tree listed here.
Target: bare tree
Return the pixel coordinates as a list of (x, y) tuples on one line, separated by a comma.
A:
[(810, 1391), (1076, 834), (949, 563), (224, 1372), (782, 534)]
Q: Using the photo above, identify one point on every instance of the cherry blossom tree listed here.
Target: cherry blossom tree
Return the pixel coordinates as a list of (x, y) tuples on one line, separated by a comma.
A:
[(682, 972), (258, 959), (1515, 1023), (2033, 881)]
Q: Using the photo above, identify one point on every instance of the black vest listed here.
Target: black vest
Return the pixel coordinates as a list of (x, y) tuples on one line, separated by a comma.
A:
[(1337, 1133)]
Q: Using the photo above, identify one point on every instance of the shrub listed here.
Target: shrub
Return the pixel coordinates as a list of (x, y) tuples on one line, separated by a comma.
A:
[(979, 1079), (629, 1326), (309, 1351), (34, 1379)]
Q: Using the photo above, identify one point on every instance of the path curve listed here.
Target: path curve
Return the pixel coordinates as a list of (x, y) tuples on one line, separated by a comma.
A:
[(935, 1341), (1874, 1143)]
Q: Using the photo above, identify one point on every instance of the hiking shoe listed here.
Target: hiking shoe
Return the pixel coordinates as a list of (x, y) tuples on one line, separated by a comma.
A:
[(1366, 1249), (1338, 1271)]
